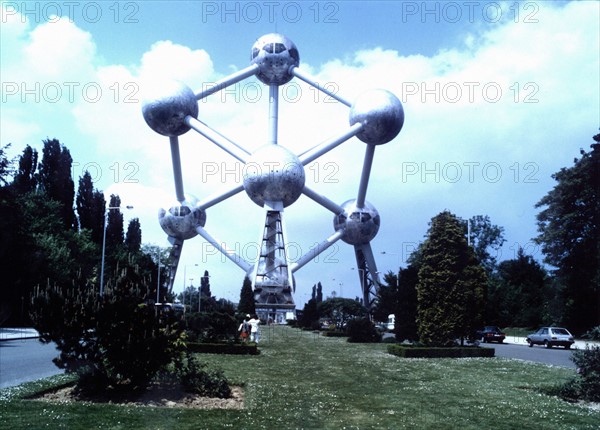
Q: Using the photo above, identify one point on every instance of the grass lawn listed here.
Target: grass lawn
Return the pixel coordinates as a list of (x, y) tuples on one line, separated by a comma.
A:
[(303, 380)]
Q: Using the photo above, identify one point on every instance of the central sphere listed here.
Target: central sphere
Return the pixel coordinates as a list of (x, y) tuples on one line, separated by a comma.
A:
[(273, 173), (275, 55)]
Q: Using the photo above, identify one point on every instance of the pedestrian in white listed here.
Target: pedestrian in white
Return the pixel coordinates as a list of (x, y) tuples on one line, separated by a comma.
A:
[(255, 330)]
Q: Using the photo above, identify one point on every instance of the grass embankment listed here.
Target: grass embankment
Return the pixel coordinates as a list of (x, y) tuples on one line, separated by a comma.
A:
[(303, 380)]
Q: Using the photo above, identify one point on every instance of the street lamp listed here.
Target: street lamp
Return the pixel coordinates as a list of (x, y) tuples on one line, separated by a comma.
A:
[(104, 245)]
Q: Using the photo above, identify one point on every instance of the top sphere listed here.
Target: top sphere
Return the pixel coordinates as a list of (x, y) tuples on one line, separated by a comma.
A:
[(381, 114), (275, 55), (165, 106)]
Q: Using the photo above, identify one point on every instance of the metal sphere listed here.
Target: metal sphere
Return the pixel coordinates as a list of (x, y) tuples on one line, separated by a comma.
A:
[(273, 173), (275, 55), (361, 224), (381, 114), (181, 220), (166, 105)]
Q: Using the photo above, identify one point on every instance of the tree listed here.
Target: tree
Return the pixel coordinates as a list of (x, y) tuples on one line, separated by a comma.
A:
[(114, 227), (340, 310), (5, 165), (486, 240), (133, 237), (451, 286), (54, 179), (518, 296), (405, 325), (25, 180), (386, 301), (247, 304), (569, 232)]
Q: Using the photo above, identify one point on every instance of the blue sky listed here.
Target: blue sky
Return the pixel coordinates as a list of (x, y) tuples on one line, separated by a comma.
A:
[(497, 97)]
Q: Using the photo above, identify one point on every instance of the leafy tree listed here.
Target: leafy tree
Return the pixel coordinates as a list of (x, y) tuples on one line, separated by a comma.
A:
[(451, 287), (340, 310), (486, 240), (133, 237), (386, 301), (310, 315), (517, 298), (54, 179), (247, 304), (114, 227), (569, 232)]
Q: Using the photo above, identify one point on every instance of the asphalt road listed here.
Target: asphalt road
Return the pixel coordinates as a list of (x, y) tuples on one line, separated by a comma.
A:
[(554, 356), (26, 360)]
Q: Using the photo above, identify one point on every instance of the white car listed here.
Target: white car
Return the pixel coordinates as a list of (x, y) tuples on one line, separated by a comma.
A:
[(551, 336)]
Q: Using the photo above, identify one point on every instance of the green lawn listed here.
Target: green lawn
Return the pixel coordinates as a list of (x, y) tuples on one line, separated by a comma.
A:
[(303, 380)]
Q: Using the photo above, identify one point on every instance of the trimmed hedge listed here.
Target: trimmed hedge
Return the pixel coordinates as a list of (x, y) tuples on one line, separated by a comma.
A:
[(438, 352), (223, 348), (335, 333)]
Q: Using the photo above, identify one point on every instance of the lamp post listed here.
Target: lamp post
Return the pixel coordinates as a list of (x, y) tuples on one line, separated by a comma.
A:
[(104, 245)]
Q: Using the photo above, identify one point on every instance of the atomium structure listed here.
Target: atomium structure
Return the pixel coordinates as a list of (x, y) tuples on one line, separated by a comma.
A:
[(375, 117)]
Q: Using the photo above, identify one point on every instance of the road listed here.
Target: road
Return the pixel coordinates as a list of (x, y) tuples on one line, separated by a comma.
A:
[(554, 356), (26, 360)]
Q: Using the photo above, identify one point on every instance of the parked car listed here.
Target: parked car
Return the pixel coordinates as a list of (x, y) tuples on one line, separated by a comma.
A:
[(551, 336), (490, 333)]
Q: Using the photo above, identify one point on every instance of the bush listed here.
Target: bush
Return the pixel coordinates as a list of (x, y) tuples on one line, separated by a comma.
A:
[(439, 352), (586, 385), (117, 340), (211, 327), (362, 330), (187, 372), (593, 334)]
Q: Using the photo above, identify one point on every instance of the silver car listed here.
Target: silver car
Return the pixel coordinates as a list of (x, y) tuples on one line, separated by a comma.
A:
[(551, 336)]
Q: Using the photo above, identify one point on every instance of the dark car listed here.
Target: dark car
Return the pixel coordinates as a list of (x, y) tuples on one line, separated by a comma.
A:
[(490, 333), (551, 336)]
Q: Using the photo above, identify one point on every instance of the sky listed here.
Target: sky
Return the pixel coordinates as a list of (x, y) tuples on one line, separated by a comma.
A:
[(497, 97)]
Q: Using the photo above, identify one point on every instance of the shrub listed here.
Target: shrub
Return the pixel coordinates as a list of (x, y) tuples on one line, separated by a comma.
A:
[(117, 340), (593, 334), (439, 352), (211, 327), (362, 330), (196, 379), (586, 385)]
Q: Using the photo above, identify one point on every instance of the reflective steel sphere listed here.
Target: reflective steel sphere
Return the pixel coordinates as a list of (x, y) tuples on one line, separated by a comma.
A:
[(381, 114), (275, 174), (275, 54), (181, 220), (165, 106), (361, 224)]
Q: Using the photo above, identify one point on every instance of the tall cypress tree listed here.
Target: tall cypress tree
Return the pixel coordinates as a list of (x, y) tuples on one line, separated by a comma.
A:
[(246, 304), (452, 284), (84, 201), (133, 237), (56, 181), (25, 180), (114, 227)]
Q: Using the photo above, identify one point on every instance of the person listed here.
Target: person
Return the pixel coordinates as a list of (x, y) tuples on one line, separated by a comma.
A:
[(255, 329), (245, 329)]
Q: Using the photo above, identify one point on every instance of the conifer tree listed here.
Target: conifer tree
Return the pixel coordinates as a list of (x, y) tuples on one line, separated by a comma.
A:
[(452, 284)]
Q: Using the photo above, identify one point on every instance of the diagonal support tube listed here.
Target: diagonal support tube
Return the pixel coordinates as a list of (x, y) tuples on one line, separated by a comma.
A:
[(311, 81), (317, 250), (322, 200), (217, 138), (218, 198), (230, 80), (326, 146), (239, 261)]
